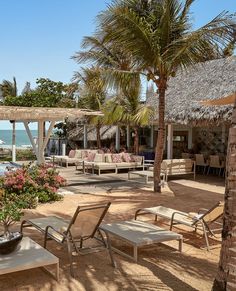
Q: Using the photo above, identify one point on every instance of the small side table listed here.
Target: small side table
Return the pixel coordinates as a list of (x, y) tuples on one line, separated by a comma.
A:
[(27, 256)]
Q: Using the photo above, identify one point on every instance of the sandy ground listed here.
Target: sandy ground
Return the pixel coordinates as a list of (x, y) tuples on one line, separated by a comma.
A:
[(160, 267)]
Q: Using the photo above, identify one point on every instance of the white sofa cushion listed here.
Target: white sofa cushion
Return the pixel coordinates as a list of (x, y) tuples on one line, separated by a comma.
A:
[(99, 158)]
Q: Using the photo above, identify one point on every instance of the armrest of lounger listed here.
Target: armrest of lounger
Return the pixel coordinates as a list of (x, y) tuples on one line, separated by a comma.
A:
[(184, 215), (202, 210), (54, 234)]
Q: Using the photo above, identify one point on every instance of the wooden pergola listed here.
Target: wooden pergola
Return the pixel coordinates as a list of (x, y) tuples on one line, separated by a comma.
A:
[(41, 115)]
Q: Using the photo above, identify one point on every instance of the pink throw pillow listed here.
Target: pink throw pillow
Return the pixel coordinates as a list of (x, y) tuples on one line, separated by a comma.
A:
[(90, 157), (126, 157), (136, 159), (71, 154), (84, 154), (116, 158)]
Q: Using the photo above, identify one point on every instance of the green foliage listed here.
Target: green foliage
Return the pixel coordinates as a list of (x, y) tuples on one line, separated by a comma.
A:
[(32, 184), (48, 93), (10, 211)]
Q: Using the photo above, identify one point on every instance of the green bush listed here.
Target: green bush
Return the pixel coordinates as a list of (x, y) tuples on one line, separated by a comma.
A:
[(33, 184)]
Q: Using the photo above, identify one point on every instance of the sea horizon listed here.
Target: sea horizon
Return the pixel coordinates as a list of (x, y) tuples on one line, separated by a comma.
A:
[(22, 139)]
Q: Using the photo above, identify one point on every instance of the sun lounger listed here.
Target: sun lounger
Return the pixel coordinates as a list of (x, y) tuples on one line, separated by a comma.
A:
[(138, 234), (84, 225), (204, 219)]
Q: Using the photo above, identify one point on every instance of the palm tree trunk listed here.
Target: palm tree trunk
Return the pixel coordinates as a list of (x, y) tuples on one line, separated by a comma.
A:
[(136, 141), (98, 137), (226, 275), (161, 134)]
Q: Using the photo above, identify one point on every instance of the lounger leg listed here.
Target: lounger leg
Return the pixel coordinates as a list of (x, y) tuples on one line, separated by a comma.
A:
[(70, 257), (136, 254), (110, 250), (180, 245), (206, 236)]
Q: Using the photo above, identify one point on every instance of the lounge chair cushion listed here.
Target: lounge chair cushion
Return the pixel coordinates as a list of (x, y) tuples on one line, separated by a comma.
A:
[(71, 154), (108, 158), (78, 154), (99, 158)]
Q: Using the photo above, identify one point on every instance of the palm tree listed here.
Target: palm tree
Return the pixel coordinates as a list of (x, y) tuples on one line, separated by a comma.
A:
[(92, 94), (127, 109), (114, 63), (9, 88), (158, 36)]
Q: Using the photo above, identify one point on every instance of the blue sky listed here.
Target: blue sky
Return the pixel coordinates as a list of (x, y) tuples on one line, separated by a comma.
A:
[(38, 37)]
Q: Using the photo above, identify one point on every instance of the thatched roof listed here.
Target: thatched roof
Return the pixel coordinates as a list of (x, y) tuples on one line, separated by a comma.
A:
[(210, 80), (42, 113), (77, 133)]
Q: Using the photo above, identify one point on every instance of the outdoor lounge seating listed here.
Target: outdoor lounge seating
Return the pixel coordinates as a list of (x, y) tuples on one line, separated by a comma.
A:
[(74, 157), (104, 162), (83, 226), (200, 162), (178, 167), (138, 234), (215, 163), (204, 219)]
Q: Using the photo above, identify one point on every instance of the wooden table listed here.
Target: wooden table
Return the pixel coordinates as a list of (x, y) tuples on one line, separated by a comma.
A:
[(28, 255)]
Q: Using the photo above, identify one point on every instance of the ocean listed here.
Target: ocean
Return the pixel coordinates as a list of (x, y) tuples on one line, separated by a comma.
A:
[(22, 139)]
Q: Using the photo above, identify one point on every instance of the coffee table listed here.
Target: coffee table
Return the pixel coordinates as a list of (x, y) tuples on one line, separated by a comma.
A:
[(138, 233), (147, 174), (28, 255)]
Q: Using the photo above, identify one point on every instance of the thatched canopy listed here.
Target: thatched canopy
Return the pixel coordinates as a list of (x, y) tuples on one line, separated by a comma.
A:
[(77, 133), (42, 113), (210, 80)]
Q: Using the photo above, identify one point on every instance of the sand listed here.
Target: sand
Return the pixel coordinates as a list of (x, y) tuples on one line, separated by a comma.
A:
[(160, 267)]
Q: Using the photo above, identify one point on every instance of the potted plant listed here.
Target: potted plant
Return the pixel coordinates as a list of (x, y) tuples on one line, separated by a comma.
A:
[(10, 212)]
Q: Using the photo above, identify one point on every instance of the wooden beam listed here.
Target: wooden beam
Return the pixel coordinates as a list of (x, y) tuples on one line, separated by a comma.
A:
[(31, 138)]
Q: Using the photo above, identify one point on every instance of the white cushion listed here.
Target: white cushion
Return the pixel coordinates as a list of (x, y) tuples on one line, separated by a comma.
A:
[(78, 154), (99, 158)]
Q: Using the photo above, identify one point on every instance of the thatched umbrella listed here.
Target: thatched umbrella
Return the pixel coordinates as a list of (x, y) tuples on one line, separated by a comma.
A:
[(226, 276)]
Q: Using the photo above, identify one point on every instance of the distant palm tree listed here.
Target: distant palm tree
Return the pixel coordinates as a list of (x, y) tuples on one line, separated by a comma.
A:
[(92, 95), (125, 108), (158, 36), (9, 88)]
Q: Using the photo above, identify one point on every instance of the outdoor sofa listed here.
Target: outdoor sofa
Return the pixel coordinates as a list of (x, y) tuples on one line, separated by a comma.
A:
[(108, 161), (176, 167), (74, 157)]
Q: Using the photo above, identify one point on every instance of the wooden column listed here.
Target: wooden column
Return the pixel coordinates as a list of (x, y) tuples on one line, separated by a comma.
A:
[(40, 142), (128, 136), (170, 141), (13, 141), (190, 138), (152, 136), (118, 138), (85, 136)]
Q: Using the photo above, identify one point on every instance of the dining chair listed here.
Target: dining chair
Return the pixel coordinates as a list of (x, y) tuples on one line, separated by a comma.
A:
[(200, 162), (215, 163)]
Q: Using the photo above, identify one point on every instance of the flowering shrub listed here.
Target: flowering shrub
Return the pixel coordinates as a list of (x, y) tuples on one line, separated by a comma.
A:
[(34, 183)]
